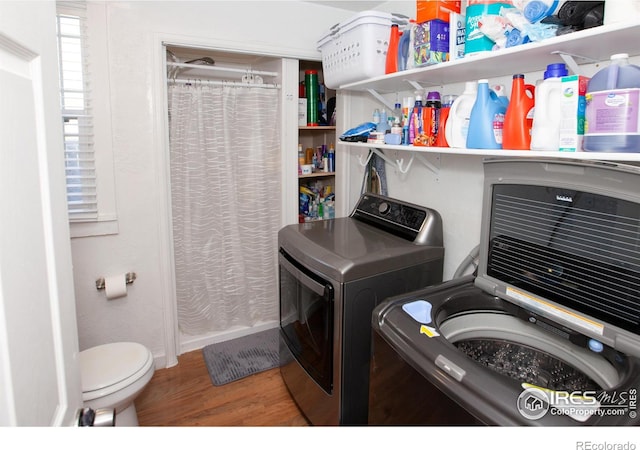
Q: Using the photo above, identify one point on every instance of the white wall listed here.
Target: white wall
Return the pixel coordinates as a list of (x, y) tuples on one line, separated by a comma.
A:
[(135, 31)]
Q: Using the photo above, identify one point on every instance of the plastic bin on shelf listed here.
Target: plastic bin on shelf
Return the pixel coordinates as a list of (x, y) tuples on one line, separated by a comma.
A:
[(356, 49)]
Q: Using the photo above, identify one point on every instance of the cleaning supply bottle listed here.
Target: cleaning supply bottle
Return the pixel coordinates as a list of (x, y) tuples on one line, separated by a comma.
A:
[(441, 138), (431, 117), (311, 88), (518, 119), (457, 126), (415, 120), (397, 114), (403, 46), (383, 126), (545, 132), (407, 105), (613, 100), (301, 158), (332, 158), (486, 121), (407, 108), (391, 61)]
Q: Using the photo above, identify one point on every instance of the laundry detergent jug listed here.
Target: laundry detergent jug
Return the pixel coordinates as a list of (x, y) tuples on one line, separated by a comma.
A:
[(545, 133), (612, 116), (441, 139), (457, 126), (518, 119), (486, 122)]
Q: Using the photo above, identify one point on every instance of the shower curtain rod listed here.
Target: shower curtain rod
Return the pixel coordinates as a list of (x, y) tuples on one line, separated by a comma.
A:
[(221, 69), (225, 83)]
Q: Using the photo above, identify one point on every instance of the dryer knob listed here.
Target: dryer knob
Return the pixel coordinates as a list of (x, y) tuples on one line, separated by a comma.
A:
[(384, 208)]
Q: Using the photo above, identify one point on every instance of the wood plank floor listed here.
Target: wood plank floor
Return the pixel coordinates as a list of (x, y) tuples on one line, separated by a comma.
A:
[(183, 395)]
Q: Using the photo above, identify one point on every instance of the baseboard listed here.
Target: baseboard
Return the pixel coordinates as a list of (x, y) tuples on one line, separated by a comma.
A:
[(191, 343)]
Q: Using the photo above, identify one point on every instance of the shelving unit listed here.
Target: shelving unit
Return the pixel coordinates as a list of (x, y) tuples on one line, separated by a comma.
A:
[(314, 137), (586, 46), (591, 45)]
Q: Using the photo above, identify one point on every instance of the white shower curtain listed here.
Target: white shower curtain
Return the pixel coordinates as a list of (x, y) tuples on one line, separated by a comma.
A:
[(225, 187)]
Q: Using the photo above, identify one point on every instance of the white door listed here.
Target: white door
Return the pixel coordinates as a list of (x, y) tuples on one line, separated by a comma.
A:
[(39, 371)]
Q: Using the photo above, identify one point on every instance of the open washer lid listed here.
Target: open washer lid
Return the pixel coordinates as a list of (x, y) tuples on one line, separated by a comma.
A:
[(562, 239), (109, 364)]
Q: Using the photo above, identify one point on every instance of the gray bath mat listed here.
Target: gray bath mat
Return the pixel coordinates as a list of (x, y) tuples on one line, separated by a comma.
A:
[(238, 358)]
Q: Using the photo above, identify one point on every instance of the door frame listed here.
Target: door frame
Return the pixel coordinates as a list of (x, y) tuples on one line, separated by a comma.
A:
[(39, 368), (289, 92)]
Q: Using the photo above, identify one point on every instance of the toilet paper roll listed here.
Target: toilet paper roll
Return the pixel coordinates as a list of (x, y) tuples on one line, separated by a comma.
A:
[(115, 286)]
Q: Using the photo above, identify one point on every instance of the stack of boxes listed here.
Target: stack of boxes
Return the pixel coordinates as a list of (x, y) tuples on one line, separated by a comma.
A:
[(438, 33)]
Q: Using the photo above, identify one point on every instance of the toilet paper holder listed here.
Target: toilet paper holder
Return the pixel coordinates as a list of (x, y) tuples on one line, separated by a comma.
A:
[(129, 278)]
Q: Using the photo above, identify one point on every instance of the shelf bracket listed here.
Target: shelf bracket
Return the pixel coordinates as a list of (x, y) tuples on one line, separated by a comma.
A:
[(427, 164), (418, 87), (364, 164), (415, 85), (571, 63), (381, 99), (398, 162), (379, 152)]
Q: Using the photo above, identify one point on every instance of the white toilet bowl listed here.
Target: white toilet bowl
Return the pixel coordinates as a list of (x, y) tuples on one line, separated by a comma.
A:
[(112, 377)]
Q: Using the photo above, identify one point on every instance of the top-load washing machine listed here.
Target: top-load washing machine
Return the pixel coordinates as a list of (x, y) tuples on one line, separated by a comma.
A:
[(548, 330)]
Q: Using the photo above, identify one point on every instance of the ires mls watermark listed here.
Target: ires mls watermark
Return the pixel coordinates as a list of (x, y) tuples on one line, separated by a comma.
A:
[(536, 402)]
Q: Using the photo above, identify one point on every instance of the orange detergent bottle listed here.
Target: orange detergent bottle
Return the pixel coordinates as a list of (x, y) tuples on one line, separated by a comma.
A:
[(518, 119)]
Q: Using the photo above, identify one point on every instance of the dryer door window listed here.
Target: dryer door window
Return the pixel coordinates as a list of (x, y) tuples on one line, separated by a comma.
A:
[(306, 319)]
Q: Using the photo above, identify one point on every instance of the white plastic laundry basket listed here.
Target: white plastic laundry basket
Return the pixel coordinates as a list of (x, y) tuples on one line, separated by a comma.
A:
[(356, 49)]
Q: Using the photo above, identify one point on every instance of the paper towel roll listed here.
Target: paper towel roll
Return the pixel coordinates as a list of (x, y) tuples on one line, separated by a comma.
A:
[(115, 286)]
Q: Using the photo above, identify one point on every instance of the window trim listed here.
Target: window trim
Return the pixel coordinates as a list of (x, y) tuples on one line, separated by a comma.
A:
[(106, 222)]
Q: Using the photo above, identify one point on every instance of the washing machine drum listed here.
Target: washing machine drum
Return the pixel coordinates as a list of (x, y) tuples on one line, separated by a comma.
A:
[(524, 352)]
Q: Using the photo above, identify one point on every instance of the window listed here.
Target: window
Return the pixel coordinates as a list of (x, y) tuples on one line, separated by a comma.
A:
[(86, 130), (77, 120)]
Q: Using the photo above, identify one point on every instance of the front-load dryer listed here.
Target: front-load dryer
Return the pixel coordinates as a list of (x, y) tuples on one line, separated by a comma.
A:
[(332, 274)]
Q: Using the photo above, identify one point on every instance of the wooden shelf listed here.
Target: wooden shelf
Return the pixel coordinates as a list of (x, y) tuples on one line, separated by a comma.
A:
[(317, 128), (317, 175)]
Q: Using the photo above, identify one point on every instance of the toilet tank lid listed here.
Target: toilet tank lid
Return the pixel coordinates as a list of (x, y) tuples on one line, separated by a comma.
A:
[(108, 364)]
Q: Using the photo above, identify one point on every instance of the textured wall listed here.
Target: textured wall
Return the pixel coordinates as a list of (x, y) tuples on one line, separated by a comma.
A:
[(135, 30)]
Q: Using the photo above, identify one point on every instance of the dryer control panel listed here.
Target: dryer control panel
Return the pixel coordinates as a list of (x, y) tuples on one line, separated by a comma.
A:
[(416, 223)]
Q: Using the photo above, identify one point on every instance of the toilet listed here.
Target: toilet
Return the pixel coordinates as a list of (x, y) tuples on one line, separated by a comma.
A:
[(112, 377)]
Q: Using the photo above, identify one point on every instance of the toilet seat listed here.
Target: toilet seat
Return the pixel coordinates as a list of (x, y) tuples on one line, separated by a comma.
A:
[(108, 368)]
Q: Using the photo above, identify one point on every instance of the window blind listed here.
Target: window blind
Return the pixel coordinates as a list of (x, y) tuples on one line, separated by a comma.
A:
[(75, 100)]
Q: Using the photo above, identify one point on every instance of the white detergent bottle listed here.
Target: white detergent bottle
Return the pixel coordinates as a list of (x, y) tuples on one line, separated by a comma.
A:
[(547, 115), (457, 126)]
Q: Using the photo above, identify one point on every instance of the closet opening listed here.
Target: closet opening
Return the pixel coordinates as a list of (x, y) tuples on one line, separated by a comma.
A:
[(225, 166)]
